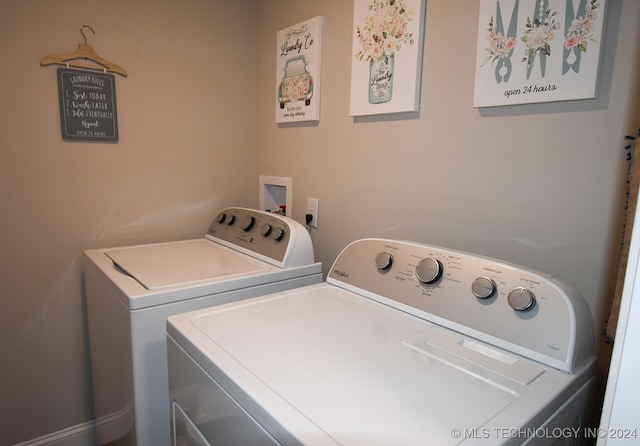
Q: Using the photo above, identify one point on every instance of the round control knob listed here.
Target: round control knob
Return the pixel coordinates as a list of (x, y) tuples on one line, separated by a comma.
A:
[(247, 223), (521, 299), (428, 270), (277, 234), (231, 220), (383, 261), (221, 217), (266, 230), (483, 287)]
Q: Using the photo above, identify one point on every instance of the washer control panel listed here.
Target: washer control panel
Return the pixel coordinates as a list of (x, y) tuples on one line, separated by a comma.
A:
[(271, 237), (506, 305)]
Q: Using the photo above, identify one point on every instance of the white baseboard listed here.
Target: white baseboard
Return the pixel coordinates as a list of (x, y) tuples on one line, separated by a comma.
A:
[(80, 435), (111, 427)]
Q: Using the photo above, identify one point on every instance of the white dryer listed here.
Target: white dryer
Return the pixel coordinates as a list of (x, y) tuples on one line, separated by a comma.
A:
[(130, 291), (405, 344)]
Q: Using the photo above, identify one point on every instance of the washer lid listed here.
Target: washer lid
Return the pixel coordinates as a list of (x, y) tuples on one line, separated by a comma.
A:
[(179, 263), (319, 358)]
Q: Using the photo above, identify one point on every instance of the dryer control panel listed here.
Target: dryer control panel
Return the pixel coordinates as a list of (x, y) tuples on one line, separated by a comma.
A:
[(278, 240), (506, 305)]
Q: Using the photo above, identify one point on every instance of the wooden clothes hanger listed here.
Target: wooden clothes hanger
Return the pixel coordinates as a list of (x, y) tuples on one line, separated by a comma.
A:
[(79, 57)]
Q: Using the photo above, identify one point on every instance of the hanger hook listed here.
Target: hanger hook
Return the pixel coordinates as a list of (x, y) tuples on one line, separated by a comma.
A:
[(82, 32)]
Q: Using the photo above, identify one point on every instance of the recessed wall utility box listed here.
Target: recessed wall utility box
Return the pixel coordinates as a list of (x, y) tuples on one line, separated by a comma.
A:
[(274, 194)]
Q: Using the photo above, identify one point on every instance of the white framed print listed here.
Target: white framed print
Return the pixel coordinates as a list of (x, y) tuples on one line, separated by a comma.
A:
[(531, 51), (298, 69), (386, 63)]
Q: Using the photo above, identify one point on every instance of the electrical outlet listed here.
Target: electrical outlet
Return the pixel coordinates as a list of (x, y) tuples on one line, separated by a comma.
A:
[(312, 208)]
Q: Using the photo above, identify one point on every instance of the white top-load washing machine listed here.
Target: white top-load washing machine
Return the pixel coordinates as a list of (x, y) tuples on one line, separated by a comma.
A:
[(405, 344), (131, 290)]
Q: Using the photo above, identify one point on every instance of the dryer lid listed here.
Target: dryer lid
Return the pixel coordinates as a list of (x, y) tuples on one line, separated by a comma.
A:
[(180, 263), (342, 366)]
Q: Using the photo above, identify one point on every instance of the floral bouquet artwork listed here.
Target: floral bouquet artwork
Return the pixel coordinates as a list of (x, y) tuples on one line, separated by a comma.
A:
[(580, 31), (381, 36), (386, 63), (501, 44), (537, 37), (557, 41)]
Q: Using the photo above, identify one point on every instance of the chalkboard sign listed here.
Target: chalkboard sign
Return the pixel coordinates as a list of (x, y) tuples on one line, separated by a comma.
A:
[(87, 105)]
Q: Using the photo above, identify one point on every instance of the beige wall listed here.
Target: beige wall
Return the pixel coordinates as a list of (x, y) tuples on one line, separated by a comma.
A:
[(541, 185), (187, 147)]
